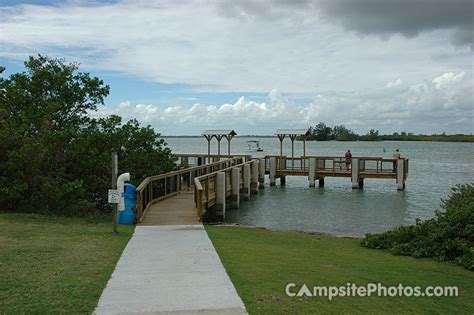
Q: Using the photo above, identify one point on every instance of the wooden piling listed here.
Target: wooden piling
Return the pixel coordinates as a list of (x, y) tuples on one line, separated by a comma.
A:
[(220, 195), (272, 171), (246, 177), (400, 175), (254, 180), (235, 196), (261, 174), (312, 172), (355, 173)]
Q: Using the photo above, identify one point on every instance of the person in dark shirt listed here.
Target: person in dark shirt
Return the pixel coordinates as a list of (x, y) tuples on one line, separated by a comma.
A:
[(348, 157)]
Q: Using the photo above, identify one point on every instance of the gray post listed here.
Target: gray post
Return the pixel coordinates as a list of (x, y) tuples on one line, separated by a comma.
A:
[(261, 173), (114, 186), (254, 181), (355, 173), (400, 179), (272, 171), (246, 189), (220, 195), (312, 171), (235, 187)]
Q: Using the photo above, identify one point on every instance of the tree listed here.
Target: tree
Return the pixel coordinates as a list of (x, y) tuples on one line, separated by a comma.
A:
[(321, 132), (341, 133), (55, 157), (372, 135)]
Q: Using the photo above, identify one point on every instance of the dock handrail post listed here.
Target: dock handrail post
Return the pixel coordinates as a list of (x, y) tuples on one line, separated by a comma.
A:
[(139, 207), (312, 171), (292, 138), (355, 173), (261, 173), (200, 206), (400, 174), (235, 197), (254, 183), (272, 171), (220, 194), (246, 176)]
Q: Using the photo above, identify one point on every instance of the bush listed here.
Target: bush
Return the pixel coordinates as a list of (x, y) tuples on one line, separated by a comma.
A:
[(449, 236), (55, 158)]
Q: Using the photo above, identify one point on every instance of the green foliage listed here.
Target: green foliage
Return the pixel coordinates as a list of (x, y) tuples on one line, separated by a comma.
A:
[(449, 236), (55, 156), (321, 132)]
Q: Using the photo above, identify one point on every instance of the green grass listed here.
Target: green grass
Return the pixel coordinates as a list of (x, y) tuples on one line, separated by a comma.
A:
[(261, 263), (55, 265)]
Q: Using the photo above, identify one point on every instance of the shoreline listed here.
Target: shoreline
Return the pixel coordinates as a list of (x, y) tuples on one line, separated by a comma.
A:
[(470, 140), (222, 224)]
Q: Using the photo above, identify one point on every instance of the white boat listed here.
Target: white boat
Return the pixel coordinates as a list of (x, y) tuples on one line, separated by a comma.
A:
[(253, 146)]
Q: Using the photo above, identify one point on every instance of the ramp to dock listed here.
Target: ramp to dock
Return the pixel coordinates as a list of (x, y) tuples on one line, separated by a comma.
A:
[(170, 269), (179, 209)]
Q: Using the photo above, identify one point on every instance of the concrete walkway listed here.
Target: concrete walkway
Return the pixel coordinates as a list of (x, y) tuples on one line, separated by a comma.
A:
[(170, 269)]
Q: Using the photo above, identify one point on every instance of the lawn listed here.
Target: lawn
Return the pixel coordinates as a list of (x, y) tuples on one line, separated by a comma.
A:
[(56, 265), (261, 262)]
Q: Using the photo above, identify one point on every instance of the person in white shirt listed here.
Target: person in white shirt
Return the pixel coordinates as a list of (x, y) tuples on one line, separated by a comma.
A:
[(396, 156)]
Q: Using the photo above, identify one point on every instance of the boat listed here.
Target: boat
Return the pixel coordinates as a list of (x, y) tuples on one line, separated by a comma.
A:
[(253, 146)]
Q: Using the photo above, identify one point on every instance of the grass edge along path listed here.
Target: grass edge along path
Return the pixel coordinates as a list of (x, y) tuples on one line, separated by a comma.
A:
[(261, 262), (56, 265)]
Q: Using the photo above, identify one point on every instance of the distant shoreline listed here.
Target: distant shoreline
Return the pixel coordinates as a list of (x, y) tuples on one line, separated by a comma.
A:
[(453, 138)]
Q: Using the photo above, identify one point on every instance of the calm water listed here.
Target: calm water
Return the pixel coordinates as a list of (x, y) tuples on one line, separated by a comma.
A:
[(338, 209)]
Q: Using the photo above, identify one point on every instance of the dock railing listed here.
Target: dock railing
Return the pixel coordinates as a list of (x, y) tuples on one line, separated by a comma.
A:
[(155, 188), (368, 166), (239, 179), (195, 159)]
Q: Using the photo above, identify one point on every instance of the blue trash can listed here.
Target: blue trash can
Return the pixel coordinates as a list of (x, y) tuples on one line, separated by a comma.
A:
[(127, 216)]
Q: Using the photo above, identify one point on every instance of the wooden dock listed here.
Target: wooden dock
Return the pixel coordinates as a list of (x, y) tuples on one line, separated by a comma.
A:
[(187, 195), (175, 210)]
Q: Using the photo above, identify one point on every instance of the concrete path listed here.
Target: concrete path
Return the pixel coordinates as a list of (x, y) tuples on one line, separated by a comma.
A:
[(170, 269)]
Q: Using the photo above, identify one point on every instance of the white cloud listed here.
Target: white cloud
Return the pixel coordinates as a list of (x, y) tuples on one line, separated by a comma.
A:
[(257, 46), (448, 79), (215, 46), (397, 82), (416, 108)]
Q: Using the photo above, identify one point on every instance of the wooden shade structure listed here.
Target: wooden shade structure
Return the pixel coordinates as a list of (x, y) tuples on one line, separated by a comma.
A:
[(218, 134), (292, 134)]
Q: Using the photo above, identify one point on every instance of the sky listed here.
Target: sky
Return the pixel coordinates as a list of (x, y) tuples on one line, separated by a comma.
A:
[(256, 66)]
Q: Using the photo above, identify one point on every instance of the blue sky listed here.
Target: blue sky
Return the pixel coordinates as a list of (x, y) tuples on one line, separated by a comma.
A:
[(257, 66)]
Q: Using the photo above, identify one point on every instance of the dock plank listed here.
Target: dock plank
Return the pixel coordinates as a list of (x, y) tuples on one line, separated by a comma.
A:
[(177, 210)]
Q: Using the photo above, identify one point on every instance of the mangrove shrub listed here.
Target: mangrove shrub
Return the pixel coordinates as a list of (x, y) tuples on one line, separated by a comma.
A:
[(448, 236)]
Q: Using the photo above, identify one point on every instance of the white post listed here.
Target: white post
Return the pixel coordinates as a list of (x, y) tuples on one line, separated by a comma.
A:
[(272, 171), (254, 183), (312, 171), (261, 173), (400, 179), (355, 173), (235, 187), (246, 188), (220, 195)]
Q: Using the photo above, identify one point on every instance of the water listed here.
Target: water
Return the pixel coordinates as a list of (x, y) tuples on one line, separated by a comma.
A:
[(338, 209)]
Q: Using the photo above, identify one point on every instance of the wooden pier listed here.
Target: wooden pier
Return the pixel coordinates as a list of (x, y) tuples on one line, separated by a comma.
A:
[(196, 192)]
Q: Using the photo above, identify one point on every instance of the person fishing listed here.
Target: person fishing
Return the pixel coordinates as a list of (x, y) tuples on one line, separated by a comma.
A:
[(348, 157), (396, 157)]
